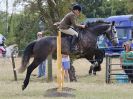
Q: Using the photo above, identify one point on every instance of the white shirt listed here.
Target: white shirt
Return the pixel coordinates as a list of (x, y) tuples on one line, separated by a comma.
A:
[(65, 58)]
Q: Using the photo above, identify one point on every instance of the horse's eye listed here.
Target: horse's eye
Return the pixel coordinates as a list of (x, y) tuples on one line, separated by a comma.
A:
[(114, 31)]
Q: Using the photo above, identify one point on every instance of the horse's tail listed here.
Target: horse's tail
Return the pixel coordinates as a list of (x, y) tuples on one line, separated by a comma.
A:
[(28, 52)]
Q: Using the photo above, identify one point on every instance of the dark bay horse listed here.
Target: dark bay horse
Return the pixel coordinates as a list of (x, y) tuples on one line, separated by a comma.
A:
[(40, 49)]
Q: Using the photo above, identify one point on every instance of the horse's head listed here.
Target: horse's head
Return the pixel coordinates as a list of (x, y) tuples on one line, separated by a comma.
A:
[(12, 50), (106, 28), (111, 34)]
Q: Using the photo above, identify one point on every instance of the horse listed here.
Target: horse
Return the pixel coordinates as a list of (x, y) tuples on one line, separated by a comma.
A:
[(96, 61), (87, 39), (10, 50), (98, 58)]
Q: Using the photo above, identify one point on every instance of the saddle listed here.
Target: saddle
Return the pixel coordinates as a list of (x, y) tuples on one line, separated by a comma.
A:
[(74, 48), (73, 40)]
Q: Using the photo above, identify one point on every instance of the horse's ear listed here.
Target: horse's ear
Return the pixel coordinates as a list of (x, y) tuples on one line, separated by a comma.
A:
[(113, 23)]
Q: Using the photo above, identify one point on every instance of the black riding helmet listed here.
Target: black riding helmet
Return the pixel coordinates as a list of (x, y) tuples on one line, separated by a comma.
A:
[(77, 7)]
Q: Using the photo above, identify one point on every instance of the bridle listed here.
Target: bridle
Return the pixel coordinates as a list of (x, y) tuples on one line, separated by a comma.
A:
[(112, 38)]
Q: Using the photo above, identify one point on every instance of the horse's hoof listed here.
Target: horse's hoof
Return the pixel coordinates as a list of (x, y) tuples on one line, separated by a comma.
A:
[(94, 74), (90, 73), (23, 87), (75, 80)]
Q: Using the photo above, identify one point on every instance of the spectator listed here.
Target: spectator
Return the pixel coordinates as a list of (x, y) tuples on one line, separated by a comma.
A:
[(2, 45), (42, 66), (66, 65), (126, 61)]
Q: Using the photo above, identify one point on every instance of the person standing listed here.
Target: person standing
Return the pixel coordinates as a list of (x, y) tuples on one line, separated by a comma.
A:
[(42, 66), (126, 61), (66, 65), (2, 44)]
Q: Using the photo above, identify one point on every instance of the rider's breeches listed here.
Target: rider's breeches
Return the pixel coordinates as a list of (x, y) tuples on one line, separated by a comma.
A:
[(69, 31)]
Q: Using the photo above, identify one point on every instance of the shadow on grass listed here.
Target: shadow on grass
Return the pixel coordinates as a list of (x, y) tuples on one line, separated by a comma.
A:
[(66, 92)]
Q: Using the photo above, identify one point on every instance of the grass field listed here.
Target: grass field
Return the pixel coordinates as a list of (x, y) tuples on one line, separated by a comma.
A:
[(87, 87)]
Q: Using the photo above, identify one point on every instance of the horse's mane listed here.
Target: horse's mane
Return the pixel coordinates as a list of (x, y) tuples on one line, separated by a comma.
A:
[(90, 24)]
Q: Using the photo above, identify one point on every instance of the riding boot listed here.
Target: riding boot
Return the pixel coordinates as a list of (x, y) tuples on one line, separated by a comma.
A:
[(73, 43)]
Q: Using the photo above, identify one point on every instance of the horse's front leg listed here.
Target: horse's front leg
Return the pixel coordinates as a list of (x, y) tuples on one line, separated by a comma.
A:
[(31, 67), (92, 66), (94, 72), (90, 71)]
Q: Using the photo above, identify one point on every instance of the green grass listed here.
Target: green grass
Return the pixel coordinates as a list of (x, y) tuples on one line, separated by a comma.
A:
[(87, 87)]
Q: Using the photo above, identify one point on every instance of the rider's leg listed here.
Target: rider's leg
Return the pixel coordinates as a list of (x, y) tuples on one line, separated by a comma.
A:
[(73, 43), (72, 32), (69, 31)]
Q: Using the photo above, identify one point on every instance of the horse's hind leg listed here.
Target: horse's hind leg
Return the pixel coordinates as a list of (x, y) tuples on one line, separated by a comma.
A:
[(72, 75), (31, 67)]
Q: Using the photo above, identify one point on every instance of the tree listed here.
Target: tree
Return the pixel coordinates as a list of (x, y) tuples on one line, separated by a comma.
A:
[(50, 11), (130, 6), (103, 8), (2, 20), (35, 10), (25, 24)]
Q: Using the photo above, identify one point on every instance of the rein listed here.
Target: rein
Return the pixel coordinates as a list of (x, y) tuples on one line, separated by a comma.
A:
[(113, 38)]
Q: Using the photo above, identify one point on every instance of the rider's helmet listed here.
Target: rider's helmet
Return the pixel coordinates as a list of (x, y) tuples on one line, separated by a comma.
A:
[(77, 7)]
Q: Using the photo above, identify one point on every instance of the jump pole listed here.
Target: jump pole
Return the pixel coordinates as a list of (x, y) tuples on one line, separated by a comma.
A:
[(13, 65), (60, 72)]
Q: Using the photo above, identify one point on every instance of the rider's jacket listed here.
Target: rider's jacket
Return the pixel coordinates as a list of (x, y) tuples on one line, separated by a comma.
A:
[(68, 21)]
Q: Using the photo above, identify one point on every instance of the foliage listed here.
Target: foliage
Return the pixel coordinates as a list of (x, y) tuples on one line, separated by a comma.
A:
[(103, 8), (26, 30), (2, 20), (130, 6), (28, 21), (23, 26)]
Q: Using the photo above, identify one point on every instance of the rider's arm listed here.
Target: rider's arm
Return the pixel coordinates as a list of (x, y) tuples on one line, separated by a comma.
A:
[(74, 23)]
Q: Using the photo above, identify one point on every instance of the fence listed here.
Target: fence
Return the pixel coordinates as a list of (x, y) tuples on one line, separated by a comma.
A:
[(116, 73)]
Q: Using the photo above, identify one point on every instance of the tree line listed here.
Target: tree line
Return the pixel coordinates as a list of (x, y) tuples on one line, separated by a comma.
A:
[(39, 15)]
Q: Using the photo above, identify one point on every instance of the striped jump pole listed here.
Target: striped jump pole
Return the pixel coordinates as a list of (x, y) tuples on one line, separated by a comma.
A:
[(60, 72)]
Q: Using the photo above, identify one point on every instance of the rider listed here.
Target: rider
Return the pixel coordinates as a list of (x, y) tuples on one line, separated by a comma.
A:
[(68, 21), (2, 41)]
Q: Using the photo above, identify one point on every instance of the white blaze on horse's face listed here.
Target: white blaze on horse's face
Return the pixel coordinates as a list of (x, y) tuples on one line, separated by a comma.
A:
[(115, 34), (112, 35)]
